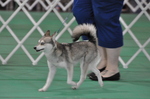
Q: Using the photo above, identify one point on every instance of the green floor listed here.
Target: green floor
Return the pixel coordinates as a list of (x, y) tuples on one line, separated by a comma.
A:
[(19, 79)]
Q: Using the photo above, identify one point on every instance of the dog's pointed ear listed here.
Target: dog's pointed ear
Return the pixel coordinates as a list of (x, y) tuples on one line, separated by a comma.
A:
[(47, 33)]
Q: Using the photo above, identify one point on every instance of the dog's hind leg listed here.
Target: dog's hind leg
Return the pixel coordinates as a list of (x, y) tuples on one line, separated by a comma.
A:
[(84, 69), (97, 73), (52, 71), (69, 69), (93, 68)]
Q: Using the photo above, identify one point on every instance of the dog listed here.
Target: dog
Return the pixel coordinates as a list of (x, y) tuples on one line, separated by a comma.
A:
[(66, 55)]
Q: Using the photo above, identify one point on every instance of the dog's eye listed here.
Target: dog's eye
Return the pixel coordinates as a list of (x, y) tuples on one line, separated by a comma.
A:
[(42, 43)]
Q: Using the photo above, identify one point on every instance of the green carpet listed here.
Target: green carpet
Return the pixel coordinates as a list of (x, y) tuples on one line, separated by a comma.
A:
[(19, 79)]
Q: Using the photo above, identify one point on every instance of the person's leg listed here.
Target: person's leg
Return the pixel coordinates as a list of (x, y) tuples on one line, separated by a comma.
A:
[(109, 32), (83, 12), (103, 56), (109, 59), (112, 61), (106, 16)]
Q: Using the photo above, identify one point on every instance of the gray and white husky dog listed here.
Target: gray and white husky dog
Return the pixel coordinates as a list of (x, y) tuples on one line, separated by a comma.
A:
[(66, 55)]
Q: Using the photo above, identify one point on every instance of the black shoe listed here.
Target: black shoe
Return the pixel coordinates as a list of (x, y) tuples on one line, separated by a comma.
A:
[(93, 74), (114, 77)]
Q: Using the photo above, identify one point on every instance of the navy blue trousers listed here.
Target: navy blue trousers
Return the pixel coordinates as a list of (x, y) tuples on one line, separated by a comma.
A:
[(104, 14)]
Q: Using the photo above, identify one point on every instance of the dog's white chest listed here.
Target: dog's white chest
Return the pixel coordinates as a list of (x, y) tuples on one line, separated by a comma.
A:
[(57, 62)]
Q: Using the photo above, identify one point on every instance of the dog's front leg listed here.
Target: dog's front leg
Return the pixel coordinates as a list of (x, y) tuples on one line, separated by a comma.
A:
[(52, 71)]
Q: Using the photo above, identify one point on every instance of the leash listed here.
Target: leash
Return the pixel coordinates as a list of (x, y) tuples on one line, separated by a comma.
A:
[(63, 23)]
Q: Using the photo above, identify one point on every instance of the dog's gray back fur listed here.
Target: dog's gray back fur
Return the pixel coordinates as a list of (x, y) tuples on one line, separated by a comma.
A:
[(76, 51)]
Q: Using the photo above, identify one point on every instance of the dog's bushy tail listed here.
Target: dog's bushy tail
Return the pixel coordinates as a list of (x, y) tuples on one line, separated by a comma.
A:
[(88, 30)]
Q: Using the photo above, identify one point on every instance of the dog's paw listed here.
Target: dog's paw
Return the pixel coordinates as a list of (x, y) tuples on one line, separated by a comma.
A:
[(74, 87), (41, 90)]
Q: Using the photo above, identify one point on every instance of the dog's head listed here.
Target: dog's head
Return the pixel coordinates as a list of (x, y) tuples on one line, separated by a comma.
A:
[(46, 43)]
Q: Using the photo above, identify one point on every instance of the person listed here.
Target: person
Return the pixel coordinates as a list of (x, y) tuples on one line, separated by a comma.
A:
[(104, 14)]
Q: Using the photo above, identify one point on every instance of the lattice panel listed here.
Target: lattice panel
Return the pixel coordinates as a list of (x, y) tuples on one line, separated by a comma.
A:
[(49, 6), (144, 6)]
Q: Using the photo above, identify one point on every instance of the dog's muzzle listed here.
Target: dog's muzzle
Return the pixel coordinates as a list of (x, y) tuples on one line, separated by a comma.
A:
[(37, 50)]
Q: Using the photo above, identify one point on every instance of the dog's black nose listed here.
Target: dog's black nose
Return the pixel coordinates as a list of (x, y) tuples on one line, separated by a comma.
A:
[(34, 48)]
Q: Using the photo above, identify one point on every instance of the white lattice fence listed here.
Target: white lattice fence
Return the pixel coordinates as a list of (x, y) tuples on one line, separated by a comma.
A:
[(144, 6), (49, 6)]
